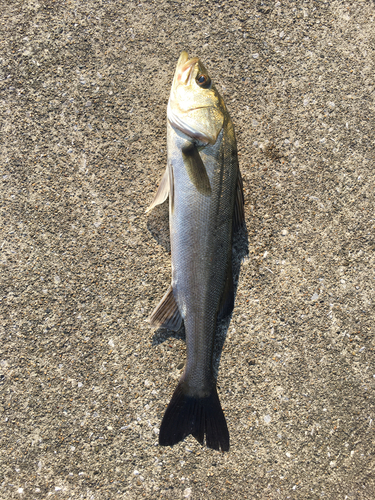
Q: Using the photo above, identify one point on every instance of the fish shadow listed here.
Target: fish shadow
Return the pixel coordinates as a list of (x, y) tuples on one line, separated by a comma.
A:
[(158, 225), (159, 228), (163, 334)]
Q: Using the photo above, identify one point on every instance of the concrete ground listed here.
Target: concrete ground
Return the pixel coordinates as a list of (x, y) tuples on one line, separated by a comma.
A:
[(84, 380)]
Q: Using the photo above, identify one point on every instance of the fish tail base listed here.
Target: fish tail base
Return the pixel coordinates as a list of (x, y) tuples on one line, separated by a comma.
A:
[(197, 416)]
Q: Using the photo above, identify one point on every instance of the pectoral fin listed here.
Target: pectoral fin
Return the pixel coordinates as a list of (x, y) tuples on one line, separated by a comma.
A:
[(239, 210), (196, 169), (162, 192), (166, 313)]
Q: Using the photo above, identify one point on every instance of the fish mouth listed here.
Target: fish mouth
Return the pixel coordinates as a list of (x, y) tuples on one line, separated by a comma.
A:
[(184, 69)]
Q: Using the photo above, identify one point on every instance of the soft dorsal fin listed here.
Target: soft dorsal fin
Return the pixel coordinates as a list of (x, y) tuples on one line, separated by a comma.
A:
[(239, 209), (166, 313), (162, 192), (227, 300), (196, 169)]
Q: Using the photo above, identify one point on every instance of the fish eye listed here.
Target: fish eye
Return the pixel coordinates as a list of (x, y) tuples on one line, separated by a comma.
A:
[(203, 81)]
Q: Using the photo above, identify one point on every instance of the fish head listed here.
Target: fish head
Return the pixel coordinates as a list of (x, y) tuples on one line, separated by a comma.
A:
[(195, 107)]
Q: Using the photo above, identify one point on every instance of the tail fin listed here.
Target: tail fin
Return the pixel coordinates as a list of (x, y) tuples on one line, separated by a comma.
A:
[(197, 416)]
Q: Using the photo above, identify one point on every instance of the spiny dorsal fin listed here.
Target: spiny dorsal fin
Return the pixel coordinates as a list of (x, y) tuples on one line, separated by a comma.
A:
[(196, 169), (162, 192), (166, 313)]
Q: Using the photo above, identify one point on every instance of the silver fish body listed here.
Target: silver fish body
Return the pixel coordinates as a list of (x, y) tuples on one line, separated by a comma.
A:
[(205, 203)]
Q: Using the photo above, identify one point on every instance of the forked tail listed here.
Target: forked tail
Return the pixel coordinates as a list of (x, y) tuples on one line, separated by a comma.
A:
[(197, 416)]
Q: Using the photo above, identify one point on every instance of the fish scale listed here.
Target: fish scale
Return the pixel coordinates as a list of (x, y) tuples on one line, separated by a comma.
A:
[(201, 234)]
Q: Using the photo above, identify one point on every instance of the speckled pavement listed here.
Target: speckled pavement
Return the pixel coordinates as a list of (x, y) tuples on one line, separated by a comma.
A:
[(84, 380)]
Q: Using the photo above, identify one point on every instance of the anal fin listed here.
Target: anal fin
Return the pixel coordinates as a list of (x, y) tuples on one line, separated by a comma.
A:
[(166, 313)]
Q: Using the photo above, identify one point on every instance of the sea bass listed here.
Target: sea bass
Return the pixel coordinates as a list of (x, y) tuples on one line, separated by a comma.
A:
[(206, 205)]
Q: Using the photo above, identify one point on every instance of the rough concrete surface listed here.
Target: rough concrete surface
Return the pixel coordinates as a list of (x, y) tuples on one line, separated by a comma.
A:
[(84, 380)]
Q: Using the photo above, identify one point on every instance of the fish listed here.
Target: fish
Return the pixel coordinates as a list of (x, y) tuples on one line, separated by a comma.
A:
[(206, 205)]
